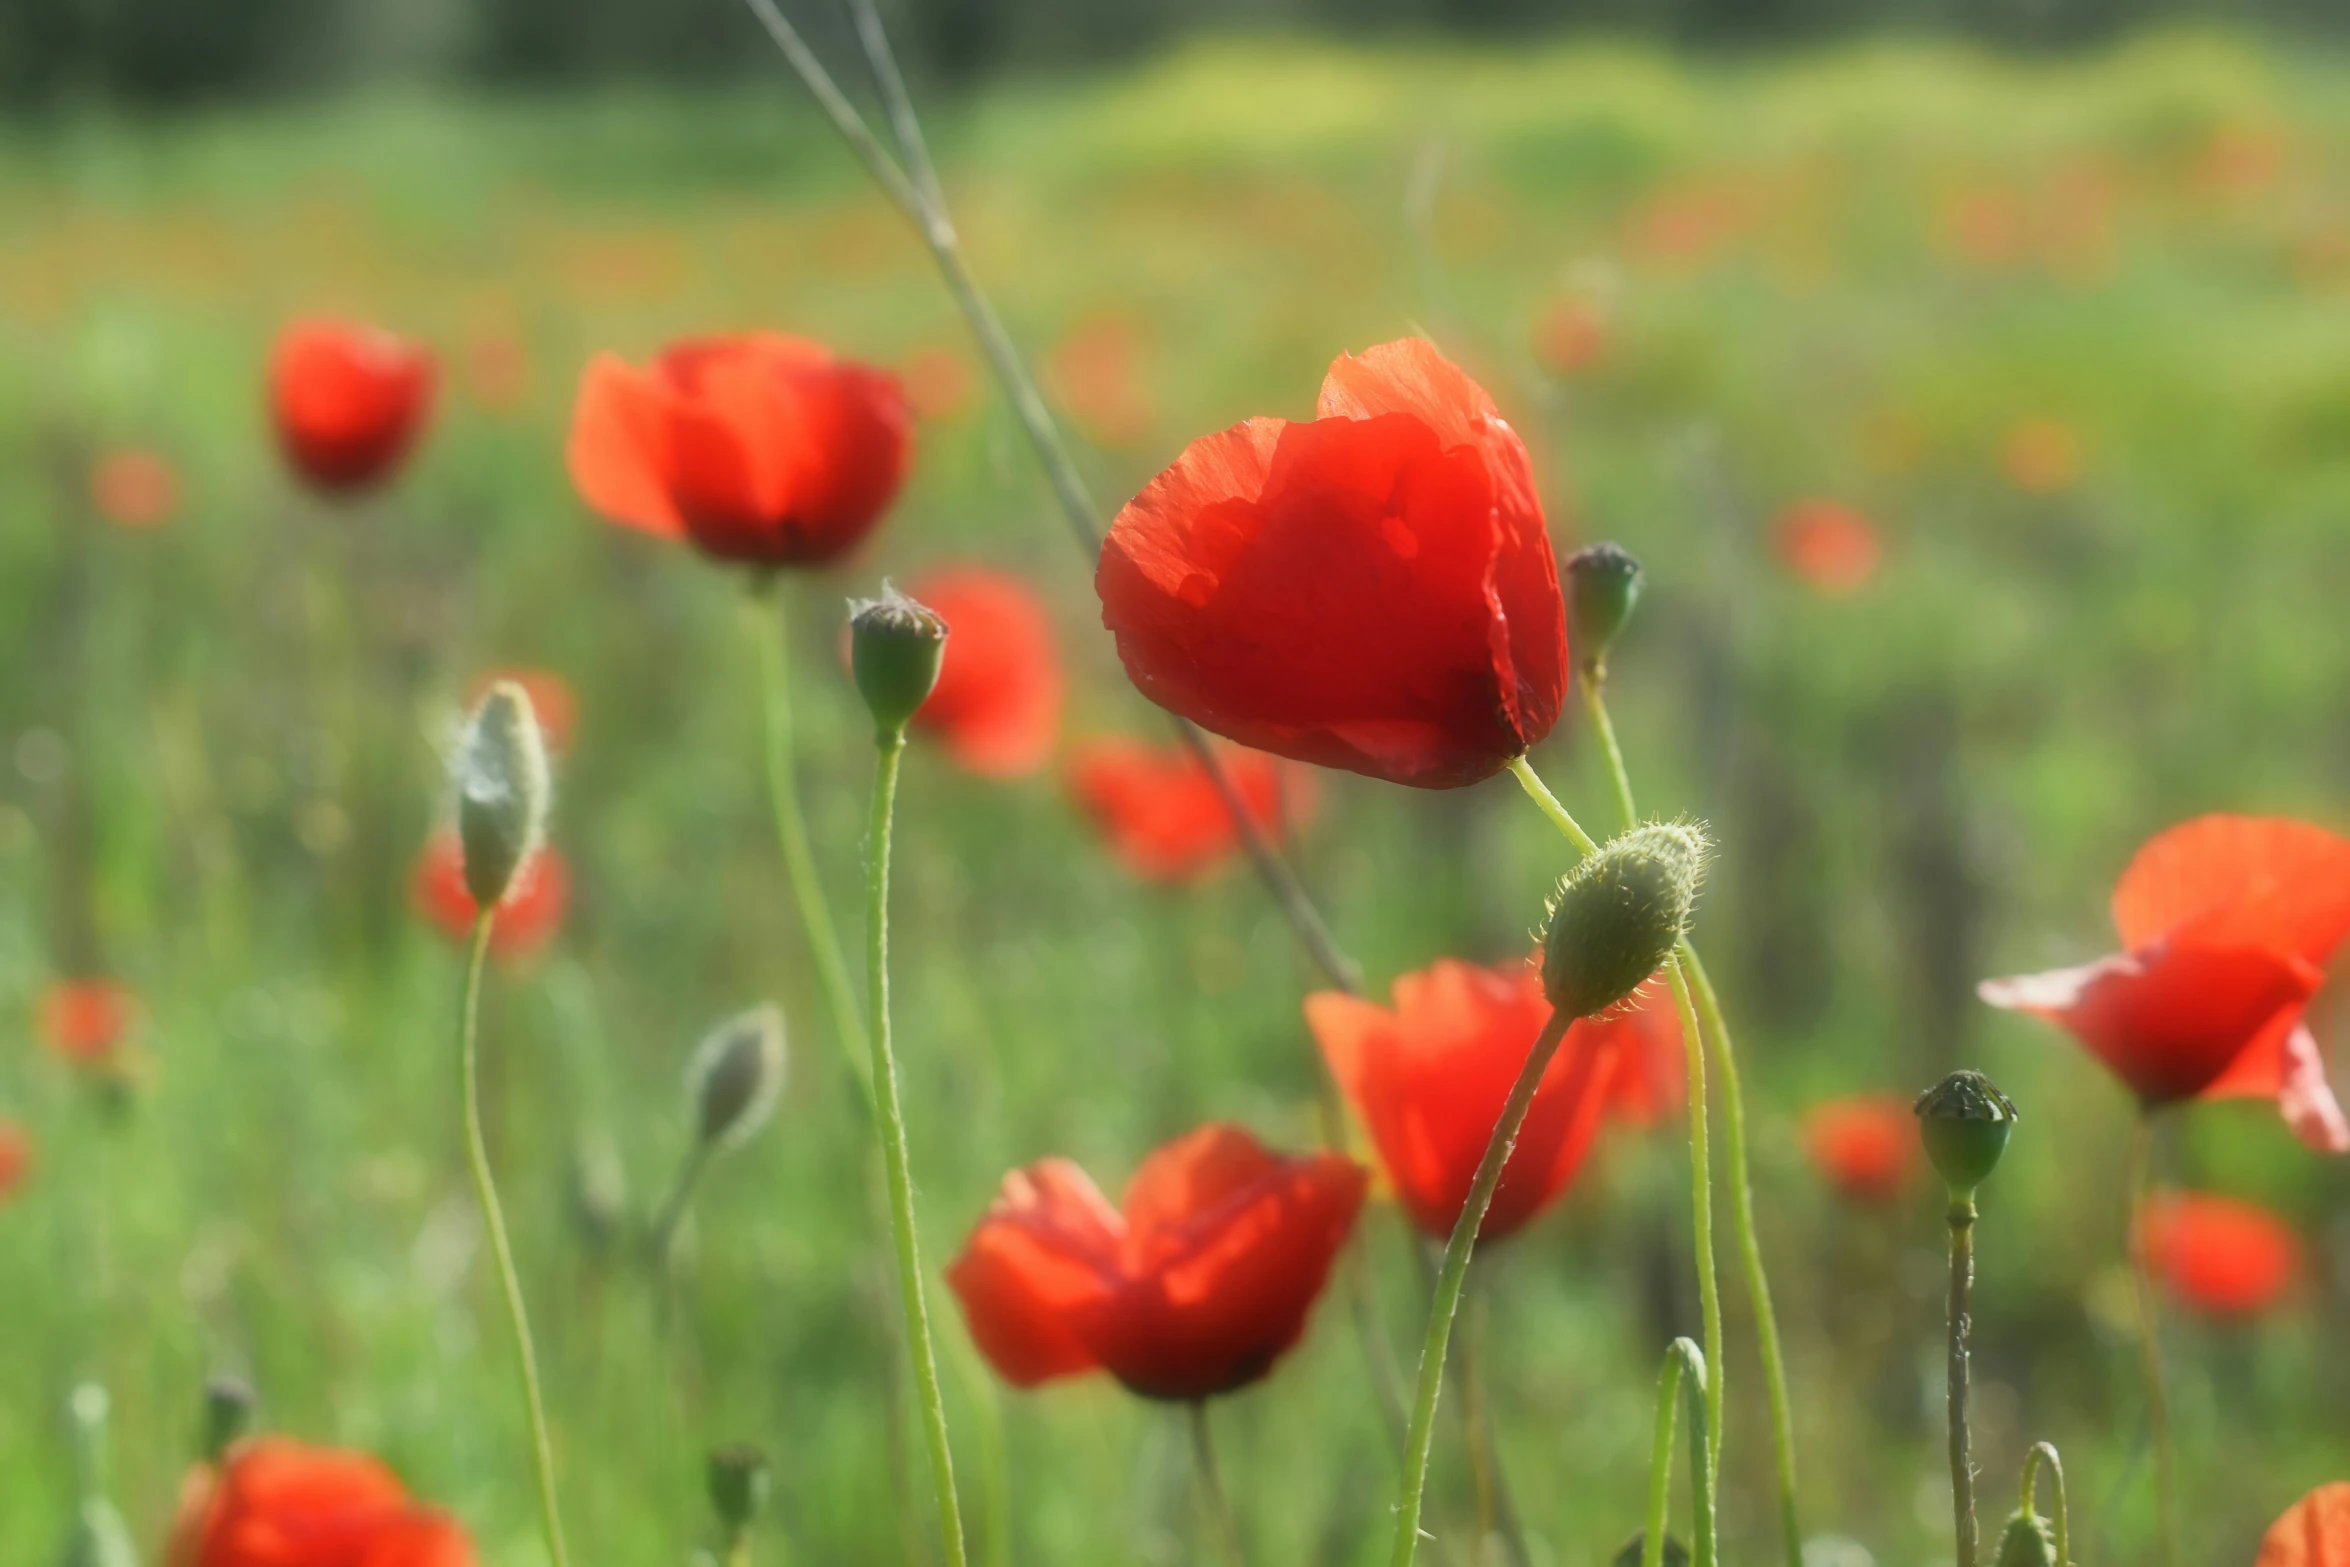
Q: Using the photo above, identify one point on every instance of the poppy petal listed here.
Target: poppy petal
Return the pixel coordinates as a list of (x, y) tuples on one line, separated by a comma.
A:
[(2240, 881), (2314, 1532), (1048, 1245), (619, 448)]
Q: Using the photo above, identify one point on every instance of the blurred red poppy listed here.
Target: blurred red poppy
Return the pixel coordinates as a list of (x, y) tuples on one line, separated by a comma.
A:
[(1372, 589), (2041, 456), (2314, 1532), (2223, 1257), (498, 369), (759, 447), (1569, 335), (526, 920), (937, 380), (1096, 371), (1430, 1077), (1865, 1147), (349, 399), (2225, 922), (1829, 545), (278, 1503), (1196, 1288), (85, 1020), (1651, 1079), (552, 701), (16, 1158), (1163, 815), (997, 704), (133, 488)]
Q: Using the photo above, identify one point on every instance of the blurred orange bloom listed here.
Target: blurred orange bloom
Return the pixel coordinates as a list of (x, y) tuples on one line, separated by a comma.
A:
[(2041, 456), (2223, 1257), (16, 1157), (498, 369), (527, 919), (1161, 812), (1864, 1147), (1829, 545), (552, 701), (1983, 227), (85, 1020), (134, 488), (278, 1503), (997, 704), (1569, 335), (938, 381), (2314, 1532), (2241, 160), (349, 400), (1097, 371)]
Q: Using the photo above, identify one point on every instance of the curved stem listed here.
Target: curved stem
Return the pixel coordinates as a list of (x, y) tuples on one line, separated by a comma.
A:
[(493, 1218), (1595, 705), (890, 747), (2044, 1453), (2166, 1467), (1449, 1279), (1539, 792), (671, 1213), (1211, 1485), (1962, 1466), (1701, 1213), (1681, 1357)]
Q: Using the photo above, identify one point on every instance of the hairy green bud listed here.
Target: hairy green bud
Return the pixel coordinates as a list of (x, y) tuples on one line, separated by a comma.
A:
[(500, 770), (1965, 1122), (735, 1075), (1618, 915), (895, 649), (2027, 1542), (1603, 587), (738, 1485)]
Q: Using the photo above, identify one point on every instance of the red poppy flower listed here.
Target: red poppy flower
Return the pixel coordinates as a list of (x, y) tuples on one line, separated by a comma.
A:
[(1163, 815), (1196, 1288), (85, 1020), (2225, 922), (528, 917), (349, 399), (2315, 1531), (16, 1157), (1569, 335), (1372, 589), (1865, 1147), (1828, 544), (134, 489), (997, 704), (552, 701), (1430, 1077), (2223, 1257), (277, 1503), (759, 447), (1651, 1078)]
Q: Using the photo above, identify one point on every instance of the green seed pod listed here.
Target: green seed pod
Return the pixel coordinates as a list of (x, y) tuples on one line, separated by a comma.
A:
[(228, 1413), (1617, 916), (895, 649), (2028, 1542), (1965, 1122), (500, 770), (738, 1486), (1603, 587), (1675, 1553), (735, 1074)]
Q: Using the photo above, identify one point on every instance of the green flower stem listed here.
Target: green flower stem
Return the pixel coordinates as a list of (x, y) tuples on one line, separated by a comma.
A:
[(485, 1190), (1962, 1464), (2166, 1458), (1449, 1279), (1684, 1366), (1211, 1485), (2044, 1454), (890, 746), (671, 1213), (1539, 792), (1701, 1215)]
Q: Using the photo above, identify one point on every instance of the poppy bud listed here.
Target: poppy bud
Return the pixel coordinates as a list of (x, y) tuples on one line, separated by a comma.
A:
[(1675, 1553), (2027, 1542), (1603, 585), (1618, 915), (228, 1411), (738, 1486), (1965, 1122), (895, 649), (735, 1074), (501, 774)]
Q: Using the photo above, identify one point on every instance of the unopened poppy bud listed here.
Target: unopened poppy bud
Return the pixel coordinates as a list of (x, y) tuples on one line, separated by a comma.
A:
[(1603, 585), (738, 1486), (1618, 915), (1675, 1553), (895, 649), (1965, 1121), (735, 1074), (502, 789), (2027, 1542), (228, 1412)]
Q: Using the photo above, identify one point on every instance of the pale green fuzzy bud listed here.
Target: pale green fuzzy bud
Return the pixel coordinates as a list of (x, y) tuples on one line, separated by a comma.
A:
[(97, 1536), (2028, 1541), (1617, 916), (734, 1077), (500, 770), (895, 649)]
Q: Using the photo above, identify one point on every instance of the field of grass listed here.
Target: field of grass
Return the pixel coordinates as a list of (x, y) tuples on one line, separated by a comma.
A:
[(2073, 335)]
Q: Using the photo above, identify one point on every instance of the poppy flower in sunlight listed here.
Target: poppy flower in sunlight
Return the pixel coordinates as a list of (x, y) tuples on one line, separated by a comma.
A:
[(2223, 1257), (2314, 1532), (1202, 1281), (2041, 456), (1163, 815), (997, 704), (2225, 923), (759, 447), (1569, 335), (1096, 372), (1429, 1078), (1865, 1147), (1830, 546), (133, 488), (552, 701), (16, 1158), (348, 400), (938, 382), (1651, 1079), (278, 1503), (526, 920), (84, 1021), (1371, 589)]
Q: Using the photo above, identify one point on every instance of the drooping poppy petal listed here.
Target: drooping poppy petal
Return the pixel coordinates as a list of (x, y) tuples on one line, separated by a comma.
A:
[(84, 1021), (1865, 1147), (2314, 1532), (1829, 545), (278, 1503), (348, 401), (1163, 815), (1373, 589), (2223, 1257), (997, 704), (527, 918)]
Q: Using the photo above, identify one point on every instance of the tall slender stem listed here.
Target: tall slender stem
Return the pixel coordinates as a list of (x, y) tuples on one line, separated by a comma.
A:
[(1497, 1511), (1211, 1485), (1701, 1214), (1539, 792), (1680, 1356), (2166, 1462), (1449, 1279), (1962, 1464), (671, 1213), (493, 1218), (1594, 683), (890, 746)]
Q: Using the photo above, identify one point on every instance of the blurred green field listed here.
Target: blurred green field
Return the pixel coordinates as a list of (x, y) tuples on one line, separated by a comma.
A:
[(1855, 276)]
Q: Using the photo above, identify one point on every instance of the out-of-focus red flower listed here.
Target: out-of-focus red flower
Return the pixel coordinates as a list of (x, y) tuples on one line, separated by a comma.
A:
[(1866, 1147), (1651, 1080), (1829, 545), (2225, 923), (1430, 1077), (1569, 335), (348, 399), (760, 447), (1373, 589), (1163, 815), (2223, 1257), (1097, 372), (2241, 160), (16, 1158), (1985, 227), (497, 368), (937, 380), (526, 920), (997, 705), (2314, 1532), (134, 488), (86, 1020), (2041, 456), (278, 1503), (1196, 1288), (552, 701)]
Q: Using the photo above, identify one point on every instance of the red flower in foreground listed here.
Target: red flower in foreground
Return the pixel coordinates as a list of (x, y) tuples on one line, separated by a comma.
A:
[(134, 489), (1196, 1288), (85, 1020), (2315, 1531), (526, 920), (16, 1158), (552, 701), (1865, 1147), (2225, 922), (348, 400), (759, 447), (1651, 1079), (1828, 544), (997, 705), (1430, 1077), (2222, 1257), (1372, 589), (280, 1504), (1163, 815)]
